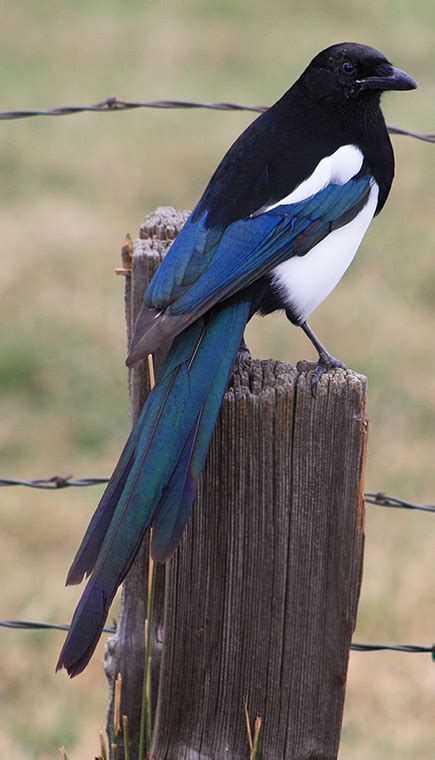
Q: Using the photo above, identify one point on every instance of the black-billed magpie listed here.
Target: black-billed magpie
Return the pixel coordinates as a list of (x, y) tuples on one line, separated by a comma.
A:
[(276, 228)]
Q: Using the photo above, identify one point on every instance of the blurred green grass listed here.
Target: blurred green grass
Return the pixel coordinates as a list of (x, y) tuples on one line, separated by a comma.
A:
[(72, 187)]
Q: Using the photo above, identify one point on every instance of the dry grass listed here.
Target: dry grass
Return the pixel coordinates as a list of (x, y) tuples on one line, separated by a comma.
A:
[(71, 189)]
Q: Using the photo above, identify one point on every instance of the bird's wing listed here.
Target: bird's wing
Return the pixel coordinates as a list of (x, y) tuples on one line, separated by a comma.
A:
[(205, 264)]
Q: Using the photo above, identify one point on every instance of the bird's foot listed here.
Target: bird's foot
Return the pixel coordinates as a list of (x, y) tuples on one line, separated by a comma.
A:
[(326, 362)]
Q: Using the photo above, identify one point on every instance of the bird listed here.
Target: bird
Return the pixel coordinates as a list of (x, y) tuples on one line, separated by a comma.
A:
[(276, 228)]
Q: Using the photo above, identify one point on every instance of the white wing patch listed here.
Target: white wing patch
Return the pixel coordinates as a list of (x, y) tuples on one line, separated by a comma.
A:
[(305, 281), (336, 169)]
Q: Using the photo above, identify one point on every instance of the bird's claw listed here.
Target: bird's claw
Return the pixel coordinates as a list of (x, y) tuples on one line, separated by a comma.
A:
[(325, 363)]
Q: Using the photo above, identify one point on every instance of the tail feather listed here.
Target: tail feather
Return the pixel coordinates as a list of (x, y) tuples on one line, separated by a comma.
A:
[(175, 504), (174, 507), (157, 473)]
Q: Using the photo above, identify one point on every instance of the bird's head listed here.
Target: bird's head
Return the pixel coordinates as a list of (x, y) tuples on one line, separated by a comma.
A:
[(352, 71)]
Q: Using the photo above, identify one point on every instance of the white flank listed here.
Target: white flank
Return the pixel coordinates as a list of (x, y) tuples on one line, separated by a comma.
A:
[(336, 169), (305, 281)]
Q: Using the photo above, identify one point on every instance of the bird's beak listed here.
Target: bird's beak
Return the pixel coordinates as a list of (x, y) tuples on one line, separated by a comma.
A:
[(394, 79)]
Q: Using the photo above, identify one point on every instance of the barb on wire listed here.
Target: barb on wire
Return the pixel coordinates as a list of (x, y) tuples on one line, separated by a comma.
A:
[(35, 625), (379, 499), (55, 482), (114, 104)]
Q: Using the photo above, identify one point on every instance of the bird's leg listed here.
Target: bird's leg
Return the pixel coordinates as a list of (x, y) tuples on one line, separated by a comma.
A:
[(243, 353), (326, 360)]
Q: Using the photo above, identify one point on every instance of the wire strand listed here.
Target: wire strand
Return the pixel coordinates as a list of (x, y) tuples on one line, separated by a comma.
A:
[(57, 482), (36, 625), (113, 104), (54, 483), (380, 499)]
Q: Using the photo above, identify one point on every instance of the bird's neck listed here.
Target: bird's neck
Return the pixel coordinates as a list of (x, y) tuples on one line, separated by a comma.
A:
[(375, 144)]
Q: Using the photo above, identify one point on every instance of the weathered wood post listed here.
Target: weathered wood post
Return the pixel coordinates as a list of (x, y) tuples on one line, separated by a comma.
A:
[(259, 602)]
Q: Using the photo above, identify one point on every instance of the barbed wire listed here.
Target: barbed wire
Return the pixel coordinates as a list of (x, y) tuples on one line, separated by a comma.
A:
[(425, 136), (412, 648), (37, 625), (113, 104), (381, 499), (56, 482), (378, 499)]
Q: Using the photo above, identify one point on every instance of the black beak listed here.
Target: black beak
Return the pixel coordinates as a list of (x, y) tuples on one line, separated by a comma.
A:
[(394, 79)]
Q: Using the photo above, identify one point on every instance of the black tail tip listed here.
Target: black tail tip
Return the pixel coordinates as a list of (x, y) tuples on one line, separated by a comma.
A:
[(73, 669), (135, 357), (75, 576)]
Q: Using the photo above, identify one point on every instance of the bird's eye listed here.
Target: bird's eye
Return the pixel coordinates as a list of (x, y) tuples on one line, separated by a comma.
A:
[(348, 68)]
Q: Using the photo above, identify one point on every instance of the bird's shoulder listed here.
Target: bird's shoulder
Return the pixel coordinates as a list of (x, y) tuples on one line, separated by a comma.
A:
[(270, 159)]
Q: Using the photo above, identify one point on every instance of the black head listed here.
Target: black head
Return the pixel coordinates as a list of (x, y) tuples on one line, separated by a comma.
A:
[(351, 71)]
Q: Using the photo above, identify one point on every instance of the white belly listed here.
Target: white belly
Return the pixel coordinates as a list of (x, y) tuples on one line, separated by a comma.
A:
[(305, 281)]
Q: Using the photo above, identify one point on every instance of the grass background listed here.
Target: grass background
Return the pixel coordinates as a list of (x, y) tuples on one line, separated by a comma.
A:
[(71, 188)]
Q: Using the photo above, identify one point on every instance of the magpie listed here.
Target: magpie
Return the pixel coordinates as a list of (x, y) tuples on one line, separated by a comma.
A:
[(276, 228)]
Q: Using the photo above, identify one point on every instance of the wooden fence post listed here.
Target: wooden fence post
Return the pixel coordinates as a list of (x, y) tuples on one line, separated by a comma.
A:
[(259, 603)]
